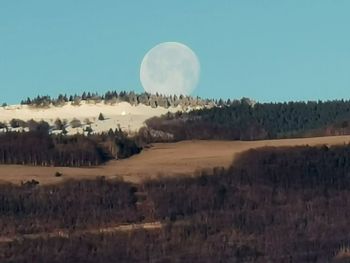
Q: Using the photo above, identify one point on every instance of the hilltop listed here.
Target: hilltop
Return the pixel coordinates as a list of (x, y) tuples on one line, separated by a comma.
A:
[(90, 113), (83, 117)]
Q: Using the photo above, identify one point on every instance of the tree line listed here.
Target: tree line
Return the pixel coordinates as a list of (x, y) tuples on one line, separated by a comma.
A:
[(39, 148), (245, 121), (111, 97)]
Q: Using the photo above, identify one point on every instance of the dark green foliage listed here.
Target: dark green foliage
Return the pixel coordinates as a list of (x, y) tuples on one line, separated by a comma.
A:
[(235, 120), (39, 101), (126, 146), (88, 129), (16, 123), (41, 126), (101, 117), (3, 125), (122, 96), (58, 174), (59, 125), (244, 121)]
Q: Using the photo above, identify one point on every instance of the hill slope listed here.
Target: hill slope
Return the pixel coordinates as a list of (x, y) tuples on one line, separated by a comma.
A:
[(130, 118), (167, 159)]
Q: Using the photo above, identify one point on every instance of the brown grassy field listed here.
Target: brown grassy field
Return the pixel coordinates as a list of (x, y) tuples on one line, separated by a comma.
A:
[(166, 159)]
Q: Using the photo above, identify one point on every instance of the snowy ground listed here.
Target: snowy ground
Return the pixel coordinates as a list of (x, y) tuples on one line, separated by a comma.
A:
[(130, 118)]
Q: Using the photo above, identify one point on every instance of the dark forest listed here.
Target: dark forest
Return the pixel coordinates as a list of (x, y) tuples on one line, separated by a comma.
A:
[(242, 120), (288, 204), (41, 149)]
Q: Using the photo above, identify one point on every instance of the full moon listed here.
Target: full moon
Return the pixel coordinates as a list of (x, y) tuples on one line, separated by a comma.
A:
[(170, 68)]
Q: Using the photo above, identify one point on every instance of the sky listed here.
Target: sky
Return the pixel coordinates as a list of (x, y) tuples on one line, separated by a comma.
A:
[(266, 50)]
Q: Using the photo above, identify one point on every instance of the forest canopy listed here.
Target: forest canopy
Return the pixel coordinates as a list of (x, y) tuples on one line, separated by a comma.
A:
[(245, 121)]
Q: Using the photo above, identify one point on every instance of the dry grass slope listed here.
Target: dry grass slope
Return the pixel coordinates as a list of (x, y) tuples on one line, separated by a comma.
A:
[(166, 159)]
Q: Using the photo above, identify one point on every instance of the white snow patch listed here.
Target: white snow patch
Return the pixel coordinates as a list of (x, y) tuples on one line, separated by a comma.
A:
[(130, 118)]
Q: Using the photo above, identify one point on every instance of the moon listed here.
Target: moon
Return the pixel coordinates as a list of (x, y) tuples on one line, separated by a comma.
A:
[(170, 68)]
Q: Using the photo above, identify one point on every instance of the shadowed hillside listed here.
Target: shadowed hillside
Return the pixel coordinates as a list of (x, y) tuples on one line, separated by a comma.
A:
[(287, 204)]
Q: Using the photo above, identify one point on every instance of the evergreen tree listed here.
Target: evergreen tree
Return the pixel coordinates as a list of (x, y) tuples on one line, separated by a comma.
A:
[(101, 117)]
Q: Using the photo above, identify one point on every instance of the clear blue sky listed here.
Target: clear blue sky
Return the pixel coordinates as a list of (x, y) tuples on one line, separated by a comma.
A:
[(267, 50)]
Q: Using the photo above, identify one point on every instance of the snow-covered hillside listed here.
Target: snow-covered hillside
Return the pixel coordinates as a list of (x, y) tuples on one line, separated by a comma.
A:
[(130, 118)]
